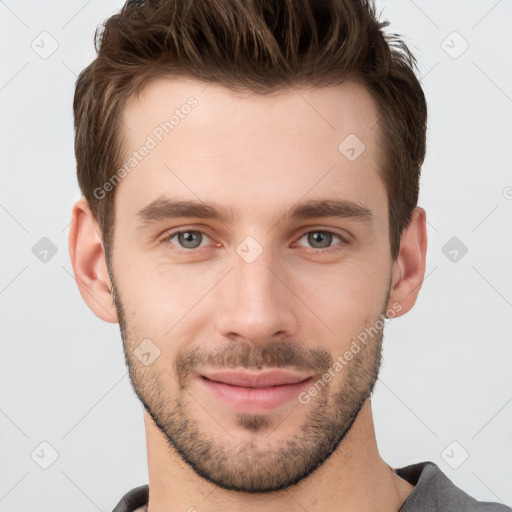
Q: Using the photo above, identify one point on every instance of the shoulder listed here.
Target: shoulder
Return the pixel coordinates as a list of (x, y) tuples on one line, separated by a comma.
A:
[(134, 500), (434, 491)]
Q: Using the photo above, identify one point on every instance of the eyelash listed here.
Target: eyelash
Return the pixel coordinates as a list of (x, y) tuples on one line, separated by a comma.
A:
[(180, 250)]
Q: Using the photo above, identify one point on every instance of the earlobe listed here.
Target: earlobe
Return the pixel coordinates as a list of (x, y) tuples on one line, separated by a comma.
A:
[(409, 268), (87, 255)]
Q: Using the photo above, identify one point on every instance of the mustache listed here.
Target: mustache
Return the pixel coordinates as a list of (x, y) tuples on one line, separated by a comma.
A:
[(274, 355)]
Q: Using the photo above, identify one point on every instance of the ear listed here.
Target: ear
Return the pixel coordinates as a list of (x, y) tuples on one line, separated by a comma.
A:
[(89, 264), (409, 268)]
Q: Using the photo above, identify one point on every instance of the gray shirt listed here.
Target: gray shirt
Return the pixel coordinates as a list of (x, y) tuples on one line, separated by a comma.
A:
[(433, 492)]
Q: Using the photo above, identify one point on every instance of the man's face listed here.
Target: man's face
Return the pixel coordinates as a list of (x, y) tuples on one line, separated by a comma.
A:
[(259, 290)]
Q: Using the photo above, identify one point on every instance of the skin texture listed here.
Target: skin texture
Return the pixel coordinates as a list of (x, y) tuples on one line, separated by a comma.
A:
[(299, 304)]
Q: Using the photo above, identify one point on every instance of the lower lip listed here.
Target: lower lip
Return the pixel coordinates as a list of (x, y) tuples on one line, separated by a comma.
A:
[(254, 400)]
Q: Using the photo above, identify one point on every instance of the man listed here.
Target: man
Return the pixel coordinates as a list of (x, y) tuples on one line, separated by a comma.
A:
[(250, 174)]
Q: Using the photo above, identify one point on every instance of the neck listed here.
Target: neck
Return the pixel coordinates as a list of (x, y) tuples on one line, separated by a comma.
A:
[(354, 478)]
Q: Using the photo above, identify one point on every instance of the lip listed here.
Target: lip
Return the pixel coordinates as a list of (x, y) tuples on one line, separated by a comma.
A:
[(253, 392), (255, 379)]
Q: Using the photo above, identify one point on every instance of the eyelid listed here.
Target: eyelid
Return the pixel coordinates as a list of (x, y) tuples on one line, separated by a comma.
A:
[(334, 231), (345, 239), (170, 233)]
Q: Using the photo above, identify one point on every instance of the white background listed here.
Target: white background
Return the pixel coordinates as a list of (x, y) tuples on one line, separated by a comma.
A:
[(447, 370)]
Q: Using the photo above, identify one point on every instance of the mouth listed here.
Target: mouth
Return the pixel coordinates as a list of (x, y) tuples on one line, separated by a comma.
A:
[(253, 392)]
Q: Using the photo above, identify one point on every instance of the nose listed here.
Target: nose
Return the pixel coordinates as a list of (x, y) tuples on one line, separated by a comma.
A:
[(257, 303)]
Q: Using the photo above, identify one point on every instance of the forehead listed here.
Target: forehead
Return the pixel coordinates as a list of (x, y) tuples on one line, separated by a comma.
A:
[(178, 103), (248, 151)]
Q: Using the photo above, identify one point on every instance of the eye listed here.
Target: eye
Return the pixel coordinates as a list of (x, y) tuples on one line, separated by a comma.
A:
[(187, 239), (321, 239)]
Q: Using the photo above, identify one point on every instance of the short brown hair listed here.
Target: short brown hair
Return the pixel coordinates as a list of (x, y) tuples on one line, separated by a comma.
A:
[(250, 45)]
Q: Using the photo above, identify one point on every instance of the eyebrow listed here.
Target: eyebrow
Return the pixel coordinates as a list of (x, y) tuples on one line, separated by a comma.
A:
[(165, 208)]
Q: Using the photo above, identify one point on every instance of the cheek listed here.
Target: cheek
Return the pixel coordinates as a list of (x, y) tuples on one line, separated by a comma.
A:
[(343, 299), (165, 300), (158, 297)]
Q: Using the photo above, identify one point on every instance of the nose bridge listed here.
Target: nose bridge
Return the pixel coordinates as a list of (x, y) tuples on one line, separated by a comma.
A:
[(257, 305)]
